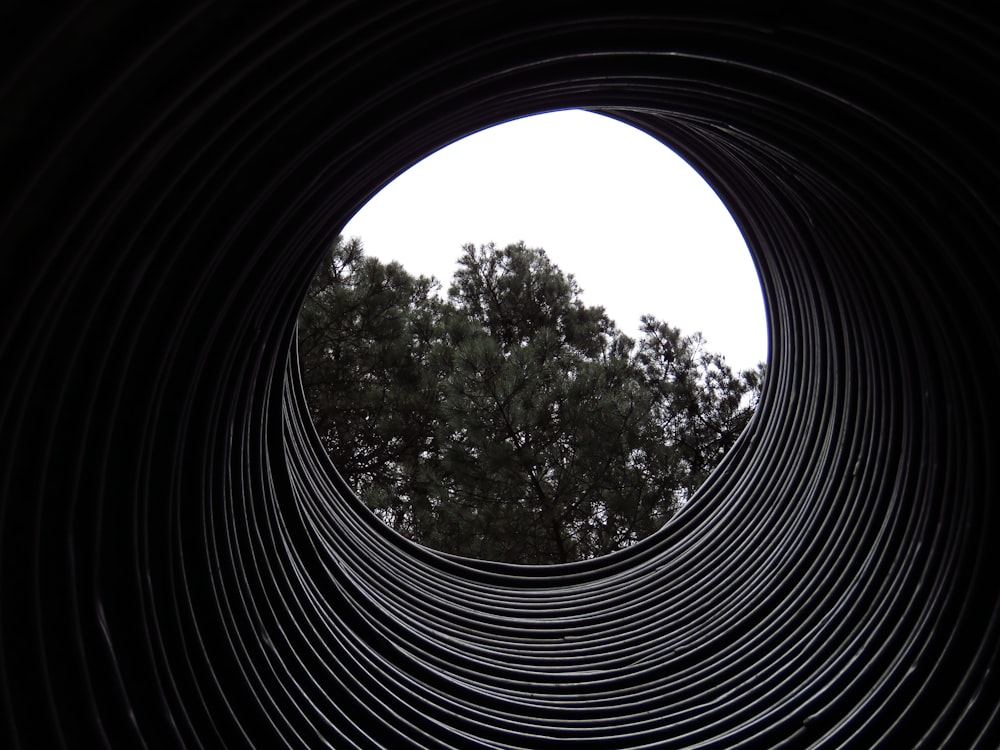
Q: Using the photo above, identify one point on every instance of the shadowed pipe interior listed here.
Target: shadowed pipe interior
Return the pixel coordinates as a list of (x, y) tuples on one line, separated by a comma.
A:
[(181, 567)]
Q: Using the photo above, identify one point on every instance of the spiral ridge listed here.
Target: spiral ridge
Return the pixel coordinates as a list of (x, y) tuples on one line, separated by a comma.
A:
[(180, 565)]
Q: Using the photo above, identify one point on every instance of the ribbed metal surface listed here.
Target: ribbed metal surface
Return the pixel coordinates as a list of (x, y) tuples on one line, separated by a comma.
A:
[(179, 566)]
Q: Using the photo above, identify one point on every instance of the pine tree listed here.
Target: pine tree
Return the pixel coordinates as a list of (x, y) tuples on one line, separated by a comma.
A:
[(510, 421)]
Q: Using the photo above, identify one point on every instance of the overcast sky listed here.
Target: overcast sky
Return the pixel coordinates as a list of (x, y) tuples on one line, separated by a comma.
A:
[(638, 228)]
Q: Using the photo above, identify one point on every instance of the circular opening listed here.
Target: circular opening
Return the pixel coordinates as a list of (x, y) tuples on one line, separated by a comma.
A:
[(534, 345)]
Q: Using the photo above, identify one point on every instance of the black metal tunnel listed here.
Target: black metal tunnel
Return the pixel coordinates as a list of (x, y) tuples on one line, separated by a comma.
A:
[(179, 566)]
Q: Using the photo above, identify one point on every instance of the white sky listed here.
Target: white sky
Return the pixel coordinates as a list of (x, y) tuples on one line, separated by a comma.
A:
[(640, 230)]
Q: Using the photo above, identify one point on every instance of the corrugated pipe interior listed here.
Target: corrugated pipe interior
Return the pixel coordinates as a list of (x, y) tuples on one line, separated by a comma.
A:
[(182, 567)]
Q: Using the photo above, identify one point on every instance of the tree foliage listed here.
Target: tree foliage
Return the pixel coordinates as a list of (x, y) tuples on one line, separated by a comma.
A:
[(509, 421)]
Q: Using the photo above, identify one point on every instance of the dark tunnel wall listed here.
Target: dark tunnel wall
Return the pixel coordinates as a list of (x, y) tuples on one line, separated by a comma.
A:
[(180, 567)]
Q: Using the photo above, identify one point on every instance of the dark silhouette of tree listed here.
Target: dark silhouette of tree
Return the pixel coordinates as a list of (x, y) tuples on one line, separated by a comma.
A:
[(366, 334), (509, 421)]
